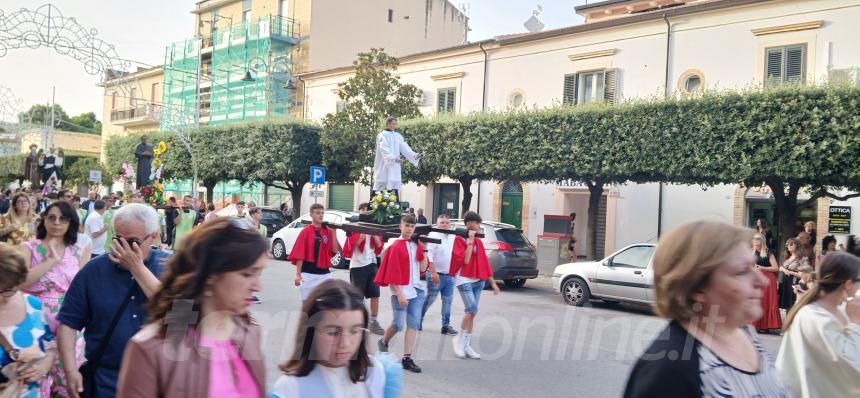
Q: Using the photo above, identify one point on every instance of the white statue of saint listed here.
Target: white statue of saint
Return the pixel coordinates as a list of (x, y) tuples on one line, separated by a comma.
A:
[(390, 146)]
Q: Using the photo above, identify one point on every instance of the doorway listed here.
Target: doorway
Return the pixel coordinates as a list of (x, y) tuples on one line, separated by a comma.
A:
[(512, 204), (446, 199)]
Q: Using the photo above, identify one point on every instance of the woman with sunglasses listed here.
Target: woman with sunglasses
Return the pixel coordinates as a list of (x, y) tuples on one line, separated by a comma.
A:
[(820, 353), (18, 224), (330, 357), (23, 322), (55, 258), (211, 346)]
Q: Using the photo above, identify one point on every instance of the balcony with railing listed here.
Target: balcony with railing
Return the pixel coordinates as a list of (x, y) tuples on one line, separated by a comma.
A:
[(140, 115), (272, 26)]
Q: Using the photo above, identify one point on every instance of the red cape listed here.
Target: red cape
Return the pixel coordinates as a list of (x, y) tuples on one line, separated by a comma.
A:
[(352, 243), (395, 265), (303, 249), (479, 265)]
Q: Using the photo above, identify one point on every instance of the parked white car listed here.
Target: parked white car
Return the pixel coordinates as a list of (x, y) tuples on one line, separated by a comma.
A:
[(285, 238), (626, 275)]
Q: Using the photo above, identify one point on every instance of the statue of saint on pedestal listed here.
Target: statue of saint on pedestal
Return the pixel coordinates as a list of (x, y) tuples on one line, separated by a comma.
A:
[(390, 146), (143, 153)]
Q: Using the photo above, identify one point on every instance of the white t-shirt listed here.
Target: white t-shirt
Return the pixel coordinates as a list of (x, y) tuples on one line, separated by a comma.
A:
[(336, 381), (409, 291), (440, 254), (363, 258), (95, 223)]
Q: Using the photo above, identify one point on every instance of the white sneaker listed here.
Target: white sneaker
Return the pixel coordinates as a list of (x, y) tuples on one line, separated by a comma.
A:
[(459, 343), (467, 348)]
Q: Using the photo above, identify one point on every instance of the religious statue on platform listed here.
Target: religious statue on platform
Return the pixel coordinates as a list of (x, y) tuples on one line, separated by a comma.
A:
[(52, 167), (31, 167), (390, 146), (143, 153)]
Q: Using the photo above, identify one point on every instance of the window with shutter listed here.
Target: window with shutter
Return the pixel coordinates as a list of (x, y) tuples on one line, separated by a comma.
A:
[(569, 94), (610, 86), (785, 64), (590, 87), (446, 100)]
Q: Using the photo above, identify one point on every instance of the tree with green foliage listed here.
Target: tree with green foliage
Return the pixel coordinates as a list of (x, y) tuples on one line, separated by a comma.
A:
[(79, 173), (40, 114), (369, 97), (790, 138), (276, 153)]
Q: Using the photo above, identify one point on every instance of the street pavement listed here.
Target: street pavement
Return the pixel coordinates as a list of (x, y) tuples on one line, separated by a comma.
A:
[(533, 344)]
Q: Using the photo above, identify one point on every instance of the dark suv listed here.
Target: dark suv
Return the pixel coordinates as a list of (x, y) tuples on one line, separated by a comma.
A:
[(273, 219), (511, 255)]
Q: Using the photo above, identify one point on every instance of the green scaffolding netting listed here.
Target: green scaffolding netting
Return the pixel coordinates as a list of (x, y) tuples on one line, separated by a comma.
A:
[(262, 47)]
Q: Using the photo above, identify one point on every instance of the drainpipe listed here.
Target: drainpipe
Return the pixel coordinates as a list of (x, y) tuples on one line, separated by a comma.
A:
[(483, 109), (666, 95)]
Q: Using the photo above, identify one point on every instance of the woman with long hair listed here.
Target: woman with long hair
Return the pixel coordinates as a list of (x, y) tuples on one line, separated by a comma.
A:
[(765, 262), (762, 228), (820, 351), (790, 273), (707, 286), (18, 224), (210, 348), (330, 357), (23, 323), (55, 257)]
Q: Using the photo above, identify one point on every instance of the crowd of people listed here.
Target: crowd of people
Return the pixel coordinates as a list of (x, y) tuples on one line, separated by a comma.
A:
[(112, 297)]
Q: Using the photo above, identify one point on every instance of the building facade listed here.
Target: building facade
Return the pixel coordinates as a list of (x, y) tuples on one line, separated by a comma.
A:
[(626, 49)]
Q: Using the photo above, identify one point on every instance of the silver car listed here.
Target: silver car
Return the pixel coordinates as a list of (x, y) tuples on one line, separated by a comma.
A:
[(626, 275)]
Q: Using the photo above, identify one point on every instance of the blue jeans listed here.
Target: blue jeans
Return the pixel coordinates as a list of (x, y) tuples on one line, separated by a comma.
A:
[(446, 287), (410, 314), (471, 295)]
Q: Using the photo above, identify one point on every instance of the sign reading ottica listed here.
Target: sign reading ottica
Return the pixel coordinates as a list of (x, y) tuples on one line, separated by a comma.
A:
[(840, 220)]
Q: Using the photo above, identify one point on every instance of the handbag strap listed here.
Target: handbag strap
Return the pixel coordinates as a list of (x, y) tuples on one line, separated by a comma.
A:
[(100, 351)]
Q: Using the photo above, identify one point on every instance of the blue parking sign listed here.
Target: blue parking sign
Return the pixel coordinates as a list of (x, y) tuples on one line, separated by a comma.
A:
[(317, 175)]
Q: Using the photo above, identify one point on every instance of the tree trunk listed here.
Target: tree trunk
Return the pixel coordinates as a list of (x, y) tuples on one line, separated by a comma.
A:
[(788, 209), (210, 189), (466, 183), (296, 194), (595, 192)]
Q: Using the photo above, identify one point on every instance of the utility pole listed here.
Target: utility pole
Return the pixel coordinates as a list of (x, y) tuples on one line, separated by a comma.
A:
[(50, 137)]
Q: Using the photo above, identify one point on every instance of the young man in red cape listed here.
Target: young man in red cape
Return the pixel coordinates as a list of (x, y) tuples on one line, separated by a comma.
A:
[(402, 265), (312, 252), (362, 250), (471, 267)]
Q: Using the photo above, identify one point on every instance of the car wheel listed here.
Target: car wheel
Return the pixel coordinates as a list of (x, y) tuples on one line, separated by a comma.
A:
[(279, 251), (575, 292), (515, 283)]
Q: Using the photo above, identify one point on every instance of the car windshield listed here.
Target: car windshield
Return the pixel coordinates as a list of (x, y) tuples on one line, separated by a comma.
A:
[(512, 237), (273, 215)]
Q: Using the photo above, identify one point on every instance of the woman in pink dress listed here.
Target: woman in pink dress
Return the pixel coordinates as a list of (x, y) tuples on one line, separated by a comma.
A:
[(54, 259)]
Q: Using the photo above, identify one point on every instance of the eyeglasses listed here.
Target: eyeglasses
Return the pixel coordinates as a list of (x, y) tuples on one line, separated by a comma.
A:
[(57, 219), (8, 292), (351, 334)]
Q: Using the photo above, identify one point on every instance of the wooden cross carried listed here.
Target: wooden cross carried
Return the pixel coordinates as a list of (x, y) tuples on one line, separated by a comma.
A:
[(393, 230)]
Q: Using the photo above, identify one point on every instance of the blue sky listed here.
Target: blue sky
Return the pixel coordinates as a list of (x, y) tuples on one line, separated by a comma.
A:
[(141, 33)]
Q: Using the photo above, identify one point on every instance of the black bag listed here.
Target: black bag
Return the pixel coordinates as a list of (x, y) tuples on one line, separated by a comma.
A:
[(88, 368)]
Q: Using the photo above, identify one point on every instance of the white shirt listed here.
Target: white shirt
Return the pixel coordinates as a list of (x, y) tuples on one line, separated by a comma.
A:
[(820, 356), (462, 280), (390, 145), (336, 381), (440, 254), (95, 223), (363, 258), (409, 291)]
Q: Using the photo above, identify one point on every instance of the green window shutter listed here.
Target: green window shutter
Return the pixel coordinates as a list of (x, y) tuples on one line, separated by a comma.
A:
[(340, 197), (441, 100), (446, 100), (569, 92)]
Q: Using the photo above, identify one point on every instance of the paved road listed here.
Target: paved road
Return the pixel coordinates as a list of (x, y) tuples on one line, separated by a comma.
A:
[(533, 344)]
